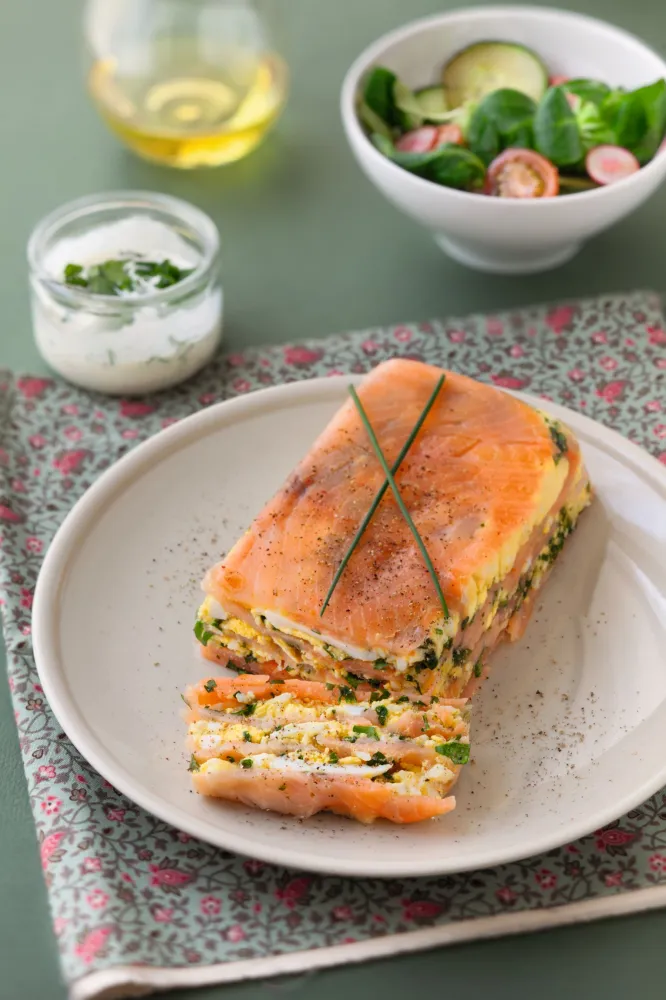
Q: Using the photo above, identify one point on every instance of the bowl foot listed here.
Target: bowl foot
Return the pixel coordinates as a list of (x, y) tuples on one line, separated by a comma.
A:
[(506, 261)]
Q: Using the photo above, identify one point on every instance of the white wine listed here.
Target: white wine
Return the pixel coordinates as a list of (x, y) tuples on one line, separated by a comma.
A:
[(170, 106)]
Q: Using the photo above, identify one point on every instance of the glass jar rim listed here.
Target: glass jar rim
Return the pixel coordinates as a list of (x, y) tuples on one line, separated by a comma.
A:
[(181, 210)]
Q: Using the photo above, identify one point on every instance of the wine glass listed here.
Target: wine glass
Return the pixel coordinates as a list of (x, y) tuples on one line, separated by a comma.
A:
[(187, 83)]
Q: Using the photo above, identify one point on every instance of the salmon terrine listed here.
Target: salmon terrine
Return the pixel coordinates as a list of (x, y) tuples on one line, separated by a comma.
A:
[(302, 747), (494, 487)]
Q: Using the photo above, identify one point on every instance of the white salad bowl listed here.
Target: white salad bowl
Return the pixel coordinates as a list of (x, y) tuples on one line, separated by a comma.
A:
[(502, 235)]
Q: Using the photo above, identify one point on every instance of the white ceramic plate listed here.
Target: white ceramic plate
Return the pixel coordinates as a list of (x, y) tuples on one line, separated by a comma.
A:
[(570, 731)]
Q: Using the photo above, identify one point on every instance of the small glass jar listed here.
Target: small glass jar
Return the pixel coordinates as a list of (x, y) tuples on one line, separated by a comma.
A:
[(133, 342)]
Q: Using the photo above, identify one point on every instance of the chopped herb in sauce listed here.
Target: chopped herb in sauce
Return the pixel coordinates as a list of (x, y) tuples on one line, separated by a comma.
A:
[(464, 623), (478, 668), (458, 753), (281, 788), (246, 762), (210, 685), (250, 658), (194, 764), (382, 714), (402, 699), (379, 695), (380, 664), (426, 724), (247, 736), (448, 643), (333, 757), (276, 680), (346, 693), (367, 731), (115, 276), (377, 759)]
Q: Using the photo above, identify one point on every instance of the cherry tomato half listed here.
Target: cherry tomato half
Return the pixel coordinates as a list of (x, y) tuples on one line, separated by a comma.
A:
[(522, 173), (450, 133)]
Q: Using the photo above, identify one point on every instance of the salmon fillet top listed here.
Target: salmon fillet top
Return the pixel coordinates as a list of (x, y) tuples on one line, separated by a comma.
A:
[(485, 473)]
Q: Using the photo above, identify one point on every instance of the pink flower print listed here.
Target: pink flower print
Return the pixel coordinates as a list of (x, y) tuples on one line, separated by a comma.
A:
[(253, 867), (32, 387), (235, 934), (73, 433), (571, 849), (609, 364), (26, 598), (6, 514), (494, 327), (168, 876), (59, 925), (420, 909), (654, 406), (163, 914), (334, 371), (660, 363), (612, 838), (33, 544), (545, 878), (46, 771), (168, 422), (301, 356), (576, 375), (26, 630), (293, 891), (256, 908), (97, 899), (127, 878), (130, 433), (402, 334), (81, 779), (559, 319), (116, 815), (71, 409), (658, 863), (656, 335), (342, 913), (207, 398), (235, 360), (92, 944), (611, 391), (508, 381), (134, 409), (457, 336), (18, 486), (92, 865), (369, 346), (51, 805), (517, 351), (37, 441), (69, 461), (600, 337), (241, 385), (613, 879), (660, 431), (210, 906), (662, 458), (184, 838), (629, 342), (48, 848), (506, 895)]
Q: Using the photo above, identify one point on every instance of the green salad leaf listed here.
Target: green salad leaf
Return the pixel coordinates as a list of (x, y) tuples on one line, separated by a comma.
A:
[(503, 119), (556, 131), (449, 165)]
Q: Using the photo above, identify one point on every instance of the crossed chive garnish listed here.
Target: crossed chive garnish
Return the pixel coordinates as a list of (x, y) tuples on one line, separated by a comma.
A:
[(390, 481)]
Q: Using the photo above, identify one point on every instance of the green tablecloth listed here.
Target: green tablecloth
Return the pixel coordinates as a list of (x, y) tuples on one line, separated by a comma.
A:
[(310, 248)]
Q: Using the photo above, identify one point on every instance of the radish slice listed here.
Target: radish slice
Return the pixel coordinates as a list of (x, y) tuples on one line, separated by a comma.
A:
[(557, 81), (608, 164), (450, 133), (419, 140)]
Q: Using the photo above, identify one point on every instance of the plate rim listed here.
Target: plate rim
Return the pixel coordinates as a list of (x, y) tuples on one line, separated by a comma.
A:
[(101, 493)]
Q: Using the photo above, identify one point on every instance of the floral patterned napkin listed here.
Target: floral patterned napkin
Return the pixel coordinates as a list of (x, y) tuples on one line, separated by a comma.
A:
[(136, 902)]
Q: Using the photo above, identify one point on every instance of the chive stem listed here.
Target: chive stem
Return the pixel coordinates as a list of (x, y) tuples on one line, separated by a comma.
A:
[(380, 495)]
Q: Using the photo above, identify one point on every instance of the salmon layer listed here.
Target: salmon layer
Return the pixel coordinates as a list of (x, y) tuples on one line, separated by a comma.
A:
[(301, 747), (494, 488)]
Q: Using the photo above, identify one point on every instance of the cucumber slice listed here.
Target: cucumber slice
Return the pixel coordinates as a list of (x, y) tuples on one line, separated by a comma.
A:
[(408, 110), (487, 66), (432, 102)]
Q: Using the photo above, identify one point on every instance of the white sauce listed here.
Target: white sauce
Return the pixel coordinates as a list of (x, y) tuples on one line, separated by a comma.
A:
[(149, 349), (285, 625)]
